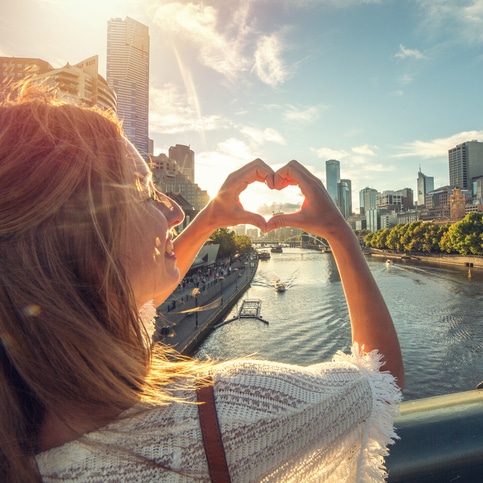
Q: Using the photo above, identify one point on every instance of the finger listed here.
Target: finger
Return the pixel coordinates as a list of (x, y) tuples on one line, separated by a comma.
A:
[(257, 170), (282, 220)]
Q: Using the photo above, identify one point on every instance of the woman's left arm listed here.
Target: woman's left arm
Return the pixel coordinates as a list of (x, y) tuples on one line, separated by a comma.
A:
[(224, 210)]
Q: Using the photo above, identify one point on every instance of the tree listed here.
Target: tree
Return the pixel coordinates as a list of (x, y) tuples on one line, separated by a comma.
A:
[(466, 236), (243, 244), (226, 239)]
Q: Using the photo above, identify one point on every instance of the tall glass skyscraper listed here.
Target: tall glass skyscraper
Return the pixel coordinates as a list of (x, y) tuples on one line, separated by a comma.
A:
[(128, 74), (425, 185), (345, 197), (332, 176)]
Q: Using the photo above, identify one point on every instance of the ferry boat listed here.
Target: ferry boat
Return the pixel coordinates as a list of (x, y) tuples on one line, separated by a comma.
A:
[(276, 249), (280, 286), (264, 255)]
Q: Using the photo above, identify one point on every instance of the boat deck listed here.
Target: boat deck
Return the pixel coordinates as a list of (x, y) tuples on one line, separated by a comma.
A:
[(250, 309)]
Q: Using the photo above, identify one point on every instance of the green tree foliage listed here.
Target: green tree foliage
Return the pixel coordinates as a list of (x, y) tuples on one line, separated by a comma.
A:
[(231, 243), (226, 239), (466, 236), (243, 244)]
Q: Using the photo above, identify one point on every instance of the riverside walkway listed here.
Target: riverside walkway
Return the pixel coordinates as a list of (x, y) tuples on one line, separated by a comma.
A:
[(189, 314)]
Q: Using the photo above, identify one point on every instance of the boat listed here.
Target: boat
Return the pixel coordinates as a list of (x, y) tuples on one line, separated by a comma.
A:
[(276, 249), (264, 255), (389, 262), (280, 286)]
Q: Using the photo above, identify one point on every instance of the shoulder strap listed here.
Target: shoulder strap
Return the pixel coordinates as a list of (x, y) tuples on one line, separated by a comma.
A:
[(215, 453)]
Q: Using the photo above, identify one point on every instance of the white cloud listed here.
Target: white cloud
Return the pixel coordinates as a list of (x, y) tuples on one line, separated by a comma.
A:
[(328, 153), (261, 136), (172, 112), (463, 19), (404, 53), (437, 147), (224, 40), (365, 149), (268, 61), (307, 114)]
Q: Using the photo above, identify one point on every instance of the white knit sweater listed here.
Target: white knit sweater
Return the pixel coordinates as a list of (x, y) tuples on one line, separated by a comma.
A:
[(327, 422)]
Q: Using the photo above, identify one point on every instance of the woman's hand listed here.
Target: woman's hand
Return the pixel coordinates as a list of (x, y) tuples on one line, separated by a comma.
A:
[(318, 214), (225, 209)]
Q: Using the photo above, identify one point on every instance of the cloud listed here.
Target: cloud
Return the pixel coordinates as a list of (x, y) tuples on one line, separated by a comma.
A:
[(328, 153), (225, 40), (365, 149), (462, 20), (307, 114), (404, 53), (268, 61), (172, 112), (261, 136), (437, 147)]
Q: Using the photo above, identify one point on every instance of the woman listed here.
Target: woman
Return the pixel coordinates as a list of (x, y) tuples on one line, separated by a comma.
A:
[(86, 247)]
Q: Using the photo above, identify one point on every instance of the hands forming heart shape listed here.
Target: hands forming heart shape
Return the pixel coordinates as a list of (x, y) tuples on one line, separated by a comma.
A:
[(317, 212)]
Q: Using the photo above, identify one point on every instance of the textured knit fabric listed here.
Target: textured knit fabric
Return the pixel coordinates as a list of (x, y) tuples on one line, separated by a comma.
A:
[(327, 422)]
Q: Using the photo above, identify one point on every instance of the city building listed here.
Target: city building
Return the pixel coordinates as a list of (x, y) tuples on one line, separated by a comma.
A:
[(465, 164), (185, 159), (332, 176), (13, 69), (80, 83), (128, 74), (399, 200), (425, 184), (169, 179), (344, 195), (367, 199)]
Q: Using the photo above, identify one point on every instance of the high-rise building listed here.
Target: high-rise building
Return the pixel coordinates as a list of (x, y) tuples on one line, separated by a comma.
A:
[(185, 158), (465, 163), (425, 184), (367, 200), (128, 74), (345, 197), (80, 83), (332, 176)]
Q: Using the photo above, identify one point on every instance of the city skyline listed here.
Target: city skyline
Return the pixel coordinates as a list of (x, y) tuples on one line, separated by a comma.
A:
[(385, 87)]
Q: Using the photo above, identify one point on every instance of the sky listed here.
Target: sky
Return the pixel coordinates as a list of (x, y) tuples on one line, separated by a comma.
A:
[(384, 86)]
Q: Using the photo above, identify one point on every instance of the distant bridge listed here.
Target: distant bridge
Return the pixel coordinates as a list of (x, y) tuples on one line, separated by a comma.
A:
[(300, 241)]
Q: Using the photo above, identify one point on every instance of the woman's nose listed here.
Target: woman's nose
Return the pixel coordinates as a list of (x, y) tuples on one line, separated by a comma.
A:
[(171, 210)]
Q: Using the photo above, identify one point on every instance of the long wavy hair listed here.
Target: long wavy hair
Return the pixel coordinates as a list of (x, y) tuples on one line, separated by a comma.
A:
[(70, 333)]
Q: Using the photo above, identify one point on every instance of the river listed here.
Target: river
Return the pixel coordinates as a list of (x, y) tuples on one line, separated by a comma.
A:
[(437, 311)]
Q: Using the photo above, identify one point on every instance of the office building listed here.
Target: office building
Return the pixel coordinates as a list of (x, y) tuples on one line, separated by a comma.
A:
[(345, 197), (185, 158), (332, 176), (367, 200), (465, 163), (80, 83), (128, 74), (425, 184)]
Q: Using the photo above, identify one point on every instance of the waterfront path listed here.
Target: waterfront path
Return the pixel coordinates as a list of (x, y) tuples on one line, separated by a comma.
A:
[(190, 313)]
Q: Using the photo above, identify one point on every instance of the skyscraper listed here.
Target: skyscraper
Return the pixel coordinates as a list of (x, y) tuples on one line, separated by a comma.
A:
[(367, 199), (185, 159), (425, 185), (332, 175), (465, 163), (345, 197), (128, 74)]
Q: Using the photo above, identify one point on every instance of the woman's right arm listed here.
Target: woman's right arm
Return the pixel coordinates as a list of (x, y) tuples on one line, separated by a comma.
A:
[(371, 322)]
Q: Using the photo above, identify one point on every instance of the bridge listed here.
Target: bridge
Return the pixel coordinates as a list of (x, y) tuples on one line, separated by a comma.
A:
[(298, 241)]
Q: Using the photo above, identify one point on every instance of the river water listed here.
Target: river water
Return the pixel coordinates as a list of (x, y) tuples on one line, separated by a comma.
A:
[(437, 311)]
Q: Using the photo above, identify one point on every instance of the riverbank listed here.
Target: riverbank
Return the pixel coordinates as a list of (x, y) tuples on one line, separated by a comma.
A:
[(188, 315), (442, 259)]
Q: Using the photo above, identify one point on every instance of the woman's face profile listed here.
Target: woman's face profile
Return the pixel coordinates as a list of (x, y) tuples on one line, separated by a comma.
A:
[(149, 259)]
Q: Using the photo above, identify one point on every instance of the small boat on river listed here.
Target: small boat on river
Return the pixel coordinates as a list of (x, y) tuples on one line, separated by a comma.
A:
[(276, 249), (280, 286), (264, 255)]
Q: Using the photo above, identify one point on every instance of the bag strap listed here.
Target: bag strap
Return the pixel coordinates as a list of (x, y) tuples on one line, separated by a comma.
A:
[(210, 429)]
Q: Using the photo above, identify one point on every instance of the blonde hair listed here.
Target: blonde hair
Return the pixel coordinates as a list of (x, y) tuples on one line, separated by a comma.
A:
[(69, 328)]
